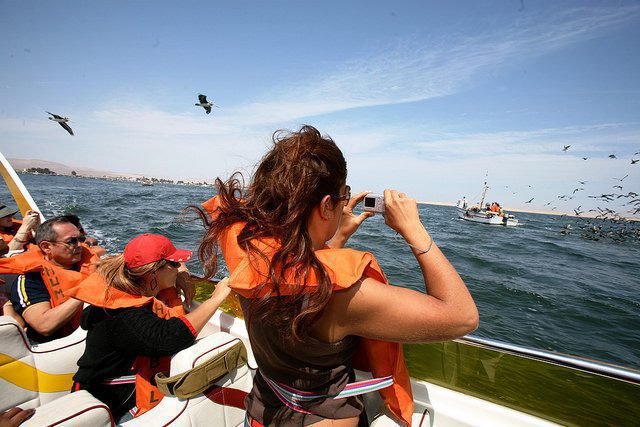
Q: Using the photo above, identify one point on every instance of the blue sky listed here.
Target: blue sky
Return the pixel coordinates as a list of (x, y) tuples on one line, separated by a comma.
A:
[(422, 96)]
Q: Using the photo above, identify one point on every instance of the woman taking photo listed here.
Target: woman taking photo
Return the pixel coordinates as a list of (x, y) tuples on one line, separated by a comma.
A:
[(312, 306), (136, 319)]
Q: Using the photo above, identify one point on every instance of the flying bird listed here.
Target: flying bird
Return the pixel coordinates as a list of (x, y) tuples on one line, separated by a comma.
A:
[(621, 179), (62, 120), (530, 200), (566, 147), (204, 103), (584, 158), (618, 186), (612, 156), (633, 162)]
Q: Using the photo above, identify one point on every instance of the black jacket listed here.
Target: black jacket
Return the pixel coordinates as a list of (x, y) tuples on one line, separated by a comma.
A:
[(114, 339)]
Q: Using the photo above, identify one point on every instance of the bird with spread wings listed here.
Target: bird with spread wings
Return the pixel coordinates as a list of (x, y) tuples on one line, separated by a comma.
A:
[(62, 120)]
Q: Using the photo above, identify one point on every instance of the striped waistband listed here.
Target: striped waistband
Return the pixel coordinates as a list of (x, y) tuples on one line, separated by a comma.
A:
[(126, 379), (293, 398)]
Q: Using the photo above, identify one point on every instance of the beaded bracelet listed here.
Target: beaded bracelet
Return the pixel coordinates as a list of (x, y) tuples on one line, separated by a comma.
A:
[(420, 251)]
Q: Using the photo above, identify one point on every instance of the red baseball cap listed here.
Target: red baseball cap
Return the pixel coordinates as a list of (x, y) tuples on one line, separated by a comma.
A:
[(149, 247)]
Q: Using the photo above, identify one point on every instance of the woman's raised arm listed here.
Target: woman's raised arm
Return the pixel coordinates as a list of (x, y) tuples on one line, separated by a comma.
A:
[(375, 310)]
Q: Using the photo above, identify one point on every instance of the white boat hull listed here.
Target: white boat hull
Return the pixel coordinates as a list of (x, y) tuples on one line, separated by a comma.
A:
[(487, 217)]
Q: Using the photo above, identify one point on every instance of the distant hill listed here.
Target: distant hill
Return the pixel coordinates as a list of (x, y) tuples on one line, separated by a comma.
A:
[(61, 169)]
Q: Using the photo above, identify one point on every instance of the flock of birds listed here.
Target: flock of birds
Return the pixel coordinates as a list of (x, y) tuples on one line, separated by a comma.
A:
[(202, 102), (603, 222), (611, 156)]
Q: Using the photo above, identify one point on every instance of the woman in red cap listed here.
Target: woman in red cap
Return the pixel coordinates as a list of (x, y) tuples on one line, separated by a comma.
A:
[(133, 328)]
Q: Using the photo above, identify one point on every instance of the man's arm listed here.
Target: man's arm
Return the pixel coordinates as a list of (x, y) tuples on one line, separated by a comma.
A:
[(46, 320)]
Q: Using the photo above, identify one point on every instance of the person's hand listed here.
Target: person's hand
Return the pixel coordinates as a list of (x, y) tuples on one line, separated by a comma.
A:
[(30, 222), (350, 222), (222, 290), (91, 241), (401, 213), (94, 244), (184, 285), (14, 417)]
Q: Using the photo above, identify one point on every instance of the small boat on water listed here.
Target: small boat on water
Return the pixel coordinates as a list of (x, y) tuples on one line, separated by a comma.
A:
[(485, 214), (467, 382)]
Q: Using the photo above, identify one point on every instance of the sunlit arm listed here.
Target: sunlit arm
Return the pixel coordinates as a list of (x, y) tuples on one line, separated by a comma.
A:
[(46, 320)]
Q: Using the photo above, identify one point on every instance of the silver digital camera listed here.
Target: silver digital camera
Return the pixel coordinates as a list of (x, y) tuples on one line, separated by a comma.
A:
[(374, 203)]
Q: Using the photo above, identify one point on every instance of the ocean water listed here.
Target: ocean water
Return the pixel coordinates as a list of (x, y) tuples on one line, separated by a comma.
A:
[(533, 285)]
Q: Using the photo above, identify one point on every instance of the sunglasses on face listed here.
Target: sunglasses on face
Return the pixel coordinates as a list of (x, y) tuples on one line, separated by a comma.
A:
[(74, 241), (346, 196), (173, 264)]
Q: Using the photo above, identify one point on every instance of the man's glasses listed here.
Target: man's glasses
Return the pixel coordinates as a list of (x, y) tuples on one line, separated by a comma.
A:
[(346, 196), (74, 241)]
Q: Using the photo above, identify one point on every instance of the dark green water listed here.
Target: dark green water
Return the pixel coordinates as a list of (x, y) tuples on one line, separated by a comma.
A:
[(534, 286)]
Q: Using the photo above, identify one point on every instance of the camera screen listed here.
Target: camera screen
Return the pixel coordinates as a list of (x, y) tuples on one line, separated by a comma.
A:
[(369, 202)]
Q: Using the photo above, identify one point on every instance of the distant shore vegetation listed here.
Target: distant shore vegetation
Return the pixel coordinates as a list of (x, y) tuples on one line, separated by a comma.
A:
[(40, 171), (154, 180)]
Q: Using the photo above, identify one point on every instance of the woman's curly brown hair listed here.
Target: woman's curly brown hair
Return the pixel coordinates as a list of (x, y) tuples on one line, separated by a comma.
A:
[(291, 179)]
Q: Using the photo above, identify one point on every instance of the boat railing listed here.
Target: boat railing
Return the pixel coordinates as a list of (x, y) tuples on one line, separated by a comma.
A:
[(569, 361), (575, 362)]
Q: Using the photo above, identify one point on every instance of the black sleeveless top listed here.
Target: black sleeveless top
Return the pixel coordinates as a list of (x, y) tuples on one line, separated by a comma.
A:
[(311, 365)]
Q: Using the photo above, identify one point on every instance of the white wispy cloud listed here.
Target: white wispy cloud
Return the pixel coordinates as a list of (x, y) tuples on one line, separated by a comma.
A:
[(409, 72)]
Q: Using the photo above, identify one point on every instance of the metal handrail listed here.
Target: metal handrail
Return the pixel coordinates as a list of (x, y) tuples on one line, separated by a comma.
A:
[(569, 361), (575, 362)]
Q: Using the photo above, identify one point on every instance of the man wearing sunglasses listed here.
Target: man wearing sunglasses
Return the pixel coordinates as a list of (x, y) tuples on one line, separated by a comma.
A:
[(59, 262)]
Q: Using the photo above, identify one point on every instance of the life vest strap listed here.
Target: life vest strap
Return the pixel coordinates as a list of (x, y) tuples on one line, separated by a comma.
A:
[(293, 398)]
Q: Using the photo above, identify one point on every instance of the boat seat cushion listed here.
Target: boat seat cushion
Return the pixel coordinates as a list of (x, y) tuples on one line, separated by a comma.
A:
[(32, 375), (75, 409), (222, 402)]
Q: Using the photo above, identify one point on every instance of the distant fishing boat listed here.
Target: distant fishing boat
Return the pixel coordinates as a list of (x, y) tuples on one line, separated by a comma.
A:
[(485, 214)]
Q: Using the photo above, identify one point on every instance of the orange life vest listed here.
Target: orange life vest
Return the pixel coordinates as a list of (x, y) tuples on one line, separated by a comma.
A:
[(58, 280), (8, 236), (344, 267), (93, 290)]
